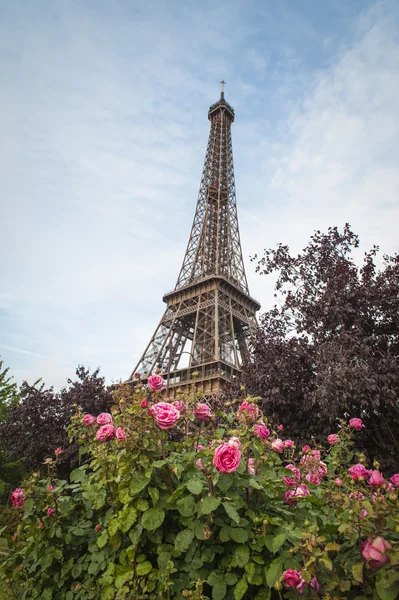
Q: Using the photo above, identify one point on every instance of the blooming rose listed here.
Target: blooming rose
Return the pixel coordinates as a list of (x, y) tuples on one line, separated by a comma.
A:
[(180, 406), (338, 482), (288, 443), (376, 479), (357, 471), (120, 434), (395, 479), (235, 442), (202, 411), (50, 512), (278, 445), (295, 471), (261, 430), (247, 411), (321, 469), (144, 403), (313, 478), (104, 419), (165, 414), (105, 433), (227, 458), (155, 382), (374, 552), (332, 438), (88, 420), (294, 579), (300, 492), (18, 497), (356, 424), (251, 466)]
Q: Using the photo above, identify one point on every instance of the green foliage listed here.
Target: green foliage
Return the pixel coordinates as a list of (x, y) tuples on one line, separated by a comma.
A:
[(144, 519)]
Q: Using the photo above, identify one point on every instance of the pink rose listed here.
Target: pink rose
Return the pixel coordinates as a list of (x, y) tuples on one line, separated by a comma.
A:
[(363, 514), (291, 496), (247, 411), (294, 579), (321, 470), (356, 496), (356, 424), (235, 442), (120, 434), (88, 420), (227, 458), (104, 419), (314, 584), (332, 438), (288, 443), (262, 431), (374, 552), (180, 406), (338, 482), (98, 528), (58, 451), (395, 479), (278, 445), (50, 512), (155, 383), (280, 428), (105, 433), (199, 464), (137, 375), (18, 497), (202, 411), (313, 478), (306, 449), (144, 403), (357, 471), (376, 479), (295, 471), (251, 466), (165, 414), (51, 488)]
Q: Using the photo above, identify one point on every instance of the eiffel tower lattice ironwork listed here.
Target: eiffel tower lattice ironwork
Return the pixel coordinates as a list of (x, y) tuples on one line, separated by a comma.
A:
[(210, 315)]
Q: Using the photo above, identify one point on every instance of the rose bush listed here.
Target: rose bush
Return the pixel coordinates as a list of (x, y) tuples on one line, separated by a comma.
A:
[(215, 508)]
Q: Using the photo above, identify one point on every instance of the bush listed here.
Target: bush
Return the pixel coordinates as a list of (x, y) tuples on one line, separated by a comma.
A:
[(227, 509)]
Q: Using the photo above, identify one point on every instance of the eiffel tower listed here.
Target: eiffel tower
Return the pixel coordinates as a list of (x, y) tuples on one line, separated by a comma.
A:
[(202, 338)]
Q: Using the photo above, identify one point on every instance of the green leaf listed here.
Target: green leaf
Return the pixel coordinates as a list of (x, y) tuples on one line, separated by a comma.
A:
[(219, 591), (357, 572), (255, 484), (108, 593), (383, 582), (278, 541), (138, 483), (232, 512), (239, 535), (240, 588), (224, 482), (230, 578), (274, 571), (142, 504), (127, 518), (69, 595), (264, 594), (153, 518), (209, 504), (186, 506), (143, 568), (78, 475), (183, 540), (225, 533), (241, 556), (250, 570), (76, 570), (195, 486), (102, 540), (163, 559)]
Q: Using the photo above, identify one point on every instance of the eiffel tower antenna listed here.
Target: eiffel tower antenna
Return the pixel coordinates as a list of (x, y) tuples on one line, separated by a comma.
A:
[(210, 315)]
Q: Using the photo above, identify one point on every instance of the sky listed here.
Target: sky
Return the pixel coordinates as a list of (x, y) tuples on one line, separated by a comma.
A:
[(103, 131)]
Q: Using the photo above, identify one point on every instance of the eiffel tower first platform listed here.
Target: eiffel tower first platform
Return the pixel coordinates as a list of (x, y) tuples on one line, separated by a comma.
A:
[(210, 315)]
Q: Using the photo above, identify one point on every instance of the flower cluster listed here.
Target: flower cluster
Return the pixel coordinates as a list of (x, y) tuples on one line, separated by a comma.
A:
[(106, 432)]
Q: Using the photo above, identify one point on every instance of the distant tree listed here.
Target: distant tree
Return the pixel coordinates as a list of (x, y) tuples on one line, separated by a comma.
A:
[(332, 345), (38, 424)]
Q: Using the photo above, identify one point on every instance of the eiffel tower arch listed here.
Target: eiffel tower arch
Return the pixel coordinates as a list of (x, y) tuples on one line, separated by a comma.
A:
[(202, 337)]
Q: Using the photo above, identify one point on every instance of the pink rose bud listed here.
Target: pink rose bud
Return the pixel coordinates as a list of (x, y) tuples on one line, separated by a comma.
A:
[(41, 525), (376, 479), (18, 497), (280, 428), (104, 419), (277, 445), (332, 438), (262, 431), (314, 584), (137, 375), (356, 424), (50, 512), (227, 458), (98, 528), (299, 492), (199, 464), (357, 471), (88, 420), (202, 411), (306, 449), (15, 538), (165, 415), (395, 479), (288, 443), (105, 433), (247, 412), (144, 403), (120, 434), (51, 488), (251, 466), (338, 482), (374, 551), (155, 383), (58, 451)]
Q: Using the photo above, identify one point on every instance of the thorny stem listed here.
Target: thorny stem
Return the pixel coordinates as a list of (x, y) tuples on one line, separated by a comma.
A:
[(167, 466)]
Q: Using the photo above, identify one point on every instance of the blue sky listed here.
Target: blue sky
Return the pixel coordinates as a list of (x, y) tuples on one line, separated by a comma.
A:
[(103, 130)]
